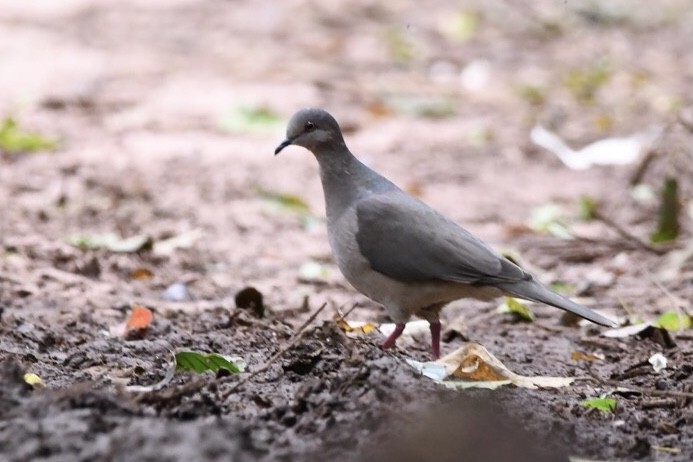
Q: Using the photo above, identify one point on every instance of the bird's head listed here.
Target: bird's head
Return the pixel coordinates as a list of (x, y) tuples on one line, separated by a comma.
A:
[(311, 128)]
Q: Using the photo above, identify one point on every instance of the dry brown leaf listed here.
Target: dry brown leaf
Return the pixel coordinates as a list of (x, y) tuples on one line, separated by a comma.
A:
[(356, 327), (582, 356), (140, 319), (141, 274), (473, 362)]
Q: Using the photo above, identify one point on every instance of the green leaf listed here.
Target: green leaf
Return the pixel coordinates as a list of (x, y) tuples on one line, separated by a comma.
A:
[(313, 271), (669, 208), (549, 219), (643, 193), (246, 119), (34, 380), (15, 140), (401, 48), (561, 287), (285, 202), (198, 362), (673, 321), (430, 107), (112, 242), (584, 83), (534, 95), (588, 208), (603, 404), (462, 25), (516, 307)]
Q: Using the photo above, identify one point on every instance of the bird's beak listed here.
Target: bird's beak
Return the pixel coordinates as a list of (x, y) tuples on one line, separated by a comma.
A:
[(282, 145)]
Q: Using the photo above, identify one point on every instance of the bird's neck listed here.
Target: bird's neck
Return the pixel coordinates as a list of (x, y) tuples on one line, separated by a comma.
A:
[(345, 180)]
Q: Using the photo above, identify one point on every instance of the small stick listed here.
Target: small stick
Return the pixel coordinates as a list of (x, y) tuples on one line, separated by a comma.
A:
[(660, 403), (626, 234), (353, 307), (280, 353), (644, 391)]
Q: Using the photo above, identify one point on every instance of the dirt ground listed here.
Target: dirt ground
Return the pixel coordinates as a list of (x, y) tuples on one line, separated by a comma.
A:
[(149, 102)]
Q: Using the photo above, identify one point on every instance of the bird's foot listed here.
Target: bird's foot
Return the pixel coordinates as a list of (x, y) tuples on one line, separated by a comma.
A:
[(390, 341), (435, 340)]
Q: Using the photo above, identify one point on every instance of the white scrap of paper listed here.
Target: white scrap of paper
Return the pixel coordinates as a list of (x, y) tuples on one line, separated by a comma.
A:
[(658, 361), (609, 151)]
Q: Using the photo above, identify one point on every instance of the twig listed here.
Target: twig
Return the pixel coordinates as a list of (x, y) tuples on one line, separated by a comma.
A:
[(297, 336), (659, 403), (637, 176), (677, 303), (688, 125), (602, 343), (353, 307), (627, 235), (644, 391)]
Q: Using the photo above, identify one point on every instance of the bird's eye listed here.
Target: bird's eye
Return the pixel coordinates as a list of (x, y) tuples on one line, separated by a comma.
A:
[(309, 127)]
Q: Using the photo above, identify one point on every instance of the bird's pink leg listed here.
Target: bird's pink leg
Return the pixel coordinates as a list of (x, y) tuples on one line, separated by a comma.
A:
[(390, 341), (435, 339)]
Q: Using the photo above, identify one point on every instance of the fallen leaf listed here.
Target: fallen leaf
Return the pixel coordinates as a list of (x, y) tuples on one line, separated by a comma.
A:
[(473, 362), (15, 140), (141, 274), (602, 404), (192, 361), (669, 209), (582, 356), (562, 287), (139, 321), (517, 308), (584, 83), (534, 95), (285, 202), (674, 321), (549, 219), (314, 272), (184, 240), (355, 327), (460, 26), (588, 208), (198, 362), (378, 108), (33, 380), (401, 48), (420, 106), (249, 119), (112, 242)]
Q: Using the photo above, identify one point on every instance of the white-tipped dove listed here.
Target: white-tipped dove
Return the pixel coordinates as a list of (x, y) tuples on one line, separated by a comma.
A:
[(399, 251)]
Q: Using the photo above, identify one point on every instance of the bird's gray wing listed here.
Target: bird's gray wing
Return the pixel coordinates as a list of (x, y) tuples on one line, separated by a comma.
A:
[(407, 240)]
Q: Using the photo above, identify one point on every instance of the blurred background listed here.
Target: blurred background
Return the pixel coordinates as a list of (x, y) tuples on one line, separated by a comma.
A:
[(160, 117), (137, 139)]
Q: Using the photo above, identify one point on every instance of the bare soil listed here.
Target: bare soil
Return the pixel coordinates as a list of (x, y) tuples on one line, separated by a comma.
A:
[(441, 99)]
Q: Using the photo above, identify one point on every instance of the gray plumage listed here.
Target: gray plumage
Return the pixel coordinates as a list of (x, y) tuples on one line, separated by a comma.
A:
[(397, 250)]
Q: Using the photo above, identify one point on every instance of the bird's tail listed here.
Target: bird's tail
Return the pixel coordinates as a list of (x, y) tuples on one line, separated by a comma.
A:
[(537, 292)]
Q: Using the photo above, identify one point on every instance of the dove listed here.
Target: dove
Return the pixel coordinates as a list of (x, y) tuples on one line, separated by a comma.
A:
[(400, 252)]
